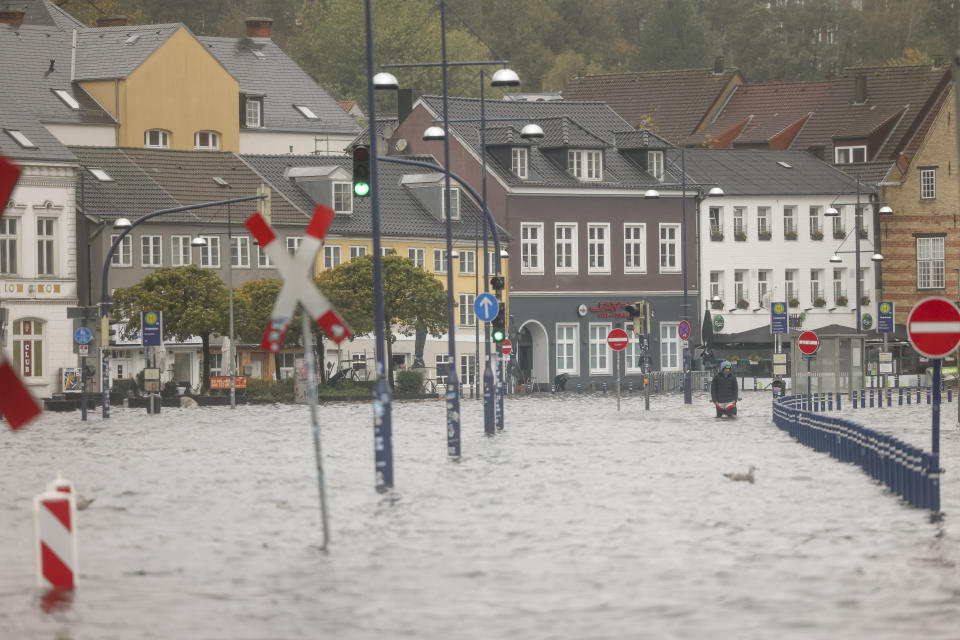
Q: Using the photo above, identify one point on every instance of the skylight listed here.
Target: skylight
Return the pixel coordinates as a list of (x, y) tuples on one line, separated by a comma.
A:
[(220, 181), (132, 39), (307, 112), (260, 55), (785, 165), (100, 174), (21, 139), (67, 98)]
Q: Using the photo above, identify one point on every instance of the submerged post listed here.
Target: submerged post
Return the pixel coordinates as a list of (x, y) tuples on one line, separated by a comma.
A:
[(308, 361)]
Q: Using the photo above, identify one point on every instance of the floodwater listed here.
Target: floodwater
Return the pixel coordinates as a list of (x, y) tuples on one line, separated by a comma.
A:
[(577, 521)]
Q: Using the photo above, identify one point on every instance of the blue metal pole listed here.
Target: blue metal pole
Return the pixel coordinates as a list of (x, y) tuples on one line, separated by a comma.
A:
[(935, 445), (687, 357), (490, 388), (382, 411)]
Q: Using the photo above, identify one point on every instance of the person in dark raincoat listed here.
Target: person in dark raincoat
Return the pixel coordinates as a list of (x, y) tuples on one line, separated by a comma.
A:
[(724, 387)]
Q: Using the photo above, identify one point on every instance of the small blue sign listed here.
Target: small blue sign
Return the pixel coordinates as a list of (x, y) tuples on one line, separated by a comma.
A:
[(778, 317), (486, 307), (83, 336), (884, 317), (151, 329)]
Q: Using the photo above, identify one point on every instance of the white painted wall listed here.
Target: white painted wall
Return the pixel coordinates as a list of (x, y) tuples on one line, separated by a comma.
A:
[(90, 135), (272, 142)]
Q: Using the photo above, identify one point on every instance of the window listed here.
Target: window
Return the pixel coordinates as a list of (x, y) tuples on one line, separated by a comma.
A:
[(123, 254), (598, 248), (633, 354), (454, 204), (790, 222), (816, 231), (46, 245), (468, 261), (655, 164), (293, 244), (331, 256), (467, 317), (567, 348), (150, 254), (468, 368), (716, 279), (669, 346), (716, 223), (240, 251), (585, 165), (343, 197), (206, 140), (816, 286), (100, 174), (836, 226), (838, 285), (263, 260), (763, 223), (306, 112), (28, 348), (216, 364), (21, 139), (790, 282), (387, 251), (67, 99), (928, 184), (518, 162), (286, 362), (740, 223), (440, 260), (8, 245), (443, 367), (531, 247), (210, 253), (565, 237), (357, 252), (930, 263), (863, 280), (669, 248), (599, 350), (740, 289), (253, 113), (156, 139), (634, 248), (763, 286), (849, 155), (179, 251), (417, 255)]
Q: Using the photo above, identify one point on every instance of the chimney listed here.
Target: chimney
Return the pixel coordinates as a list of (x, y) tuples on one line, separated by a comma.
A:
[(404, 104), (860, 89), (112, 21), (11, 16), (718, 65), (259, 27)]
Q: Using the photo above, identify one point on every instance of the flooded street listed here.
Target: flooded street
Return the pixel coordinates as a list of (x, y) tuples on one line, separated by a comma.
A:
[(575, 522)]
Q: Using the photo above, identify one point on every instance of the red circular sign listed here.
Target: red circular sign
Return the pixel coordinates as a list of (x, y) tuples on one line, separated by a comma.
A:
[(808, 343), (933, 327), (506, 347), (617, 339)]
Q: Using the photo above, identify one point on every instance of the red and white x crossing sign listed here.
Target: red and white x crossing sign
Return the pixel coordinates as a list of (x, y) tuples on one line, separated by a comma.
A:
[(297, 286)]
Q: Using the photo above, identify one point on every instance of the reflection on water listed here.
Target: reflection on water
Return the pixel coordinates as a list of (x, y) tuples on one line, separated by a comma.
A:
[(576, 522)]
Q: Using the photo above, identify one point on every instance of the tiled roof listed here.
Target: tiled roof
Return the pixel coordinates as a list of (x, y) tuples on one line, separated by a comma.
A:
[(61, 18), (115, 52), (742, 172), (871, 173), (131, 194), (671, 103), (564, 132), (401, 216), (385, 127), (639, 139), (282, 83)]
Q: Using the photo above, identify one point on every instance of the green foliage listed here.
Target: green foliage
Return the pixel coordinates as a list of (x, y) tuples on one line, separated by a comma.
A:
[(269, 390), (409, 381)]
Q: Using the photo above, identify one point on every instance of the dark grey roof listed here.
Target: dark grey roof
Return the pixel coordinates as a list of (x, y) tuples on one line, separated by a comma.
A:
[(402, 215), (577, 125), (385, 127), (132, 193), (759, 172), (282, 83), (115, 52), (871, 173), (639, 139)]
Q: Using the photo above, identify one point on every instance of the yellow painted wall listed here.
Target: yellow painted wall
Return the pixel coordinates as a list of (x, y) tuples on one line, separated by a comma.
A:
[(183, 89), (103, 91)]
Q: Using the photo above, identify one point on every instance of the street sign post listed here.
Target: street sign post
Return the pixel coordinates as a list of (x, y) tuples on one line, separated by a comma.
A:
[(83, 335), (808, 343), (485, 307), (506, 347), (885, 317)]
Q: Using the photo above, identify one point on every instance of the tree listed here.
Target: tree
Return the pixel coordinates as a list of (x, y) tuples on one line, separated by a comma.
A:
[(412, 298), (194, 302)]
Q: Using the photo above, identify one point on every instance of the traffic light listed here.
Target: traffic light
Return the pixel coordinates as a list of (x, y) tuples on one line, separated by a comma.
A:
[(641, 312), (361, 171), (497, 283), (499, 331)]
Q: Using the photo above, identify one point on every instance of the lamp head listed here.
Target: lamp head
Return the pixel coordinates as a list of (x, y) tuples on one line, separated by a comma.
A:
[(877, 257), (531, 131), (831, 212), (122, 223), (434, 133), (504, 254), (384, 80), (835, 258), (505, 78), (715, 191), (198, 242), (651, 194), (885, 210)]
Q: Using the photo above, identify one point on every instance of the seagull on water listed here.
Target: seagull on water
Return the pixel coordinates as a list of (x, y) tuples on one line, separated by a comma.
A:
[(742, 477)]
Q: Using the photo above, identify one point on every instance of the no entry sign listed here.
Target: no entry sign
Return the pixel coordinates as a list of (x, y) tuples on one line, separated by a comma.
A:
[(617, 339), (933, 327), (506, 347), (808, 343)]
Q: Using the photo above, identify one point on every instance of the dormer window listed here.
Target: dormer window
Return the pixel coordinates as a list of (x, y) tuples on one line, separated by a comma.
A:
[(156, 139), (849, 155), (343, 197), (454, 203), (585, 165), (206, 140), (518, 162), (253, 112), (655, 164)]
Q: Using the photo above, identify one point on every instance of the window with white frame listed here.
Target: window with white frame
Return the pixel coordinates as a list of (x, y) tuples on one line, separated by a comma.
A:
[(531, 247), (331, 256), (454, 203), (468, 261), (716, 223), (632, 353), (567, 348), (838, 291), (518, 162), (468, 368), (669, 346), (293, 244), (931, 267), (206, 140), (216, 363), (343, 197), (263, 260), (358, 251), (598, 248), (440, 260), (816, 286), (863, 283), (565, 236), (763, 223), (388, 251), (443, 367), (790, 222), (8, 245), (764, 276), (634, 248), (240, 252), (286, 363), (28, 348), (123, 255), (150, 254), (179, 251), (669, 248), (928, 183), (46, 246), (210, 253), (585, 165), (655, 164), (253, 113), (599, 349), (740, 287), (790, 284), (417, 255), (836, 225), (156, 139), (816, 231), (850, 155), (467, 317), (739, 223)]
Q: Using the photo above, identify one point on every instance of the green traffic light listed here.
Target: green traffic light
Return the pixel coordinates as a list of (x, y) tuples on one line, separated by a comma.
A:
[(497, 335), (361, 189)]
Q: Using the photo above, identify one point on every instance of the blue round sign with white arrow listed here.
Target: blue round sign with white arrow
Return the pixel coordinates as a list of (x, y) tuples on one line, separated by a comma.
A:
[(486, 307)]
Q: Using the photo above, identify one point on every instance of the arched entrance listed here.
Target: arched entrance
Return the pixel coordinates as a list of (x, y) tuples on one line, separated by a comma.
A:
[(533, 353)]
